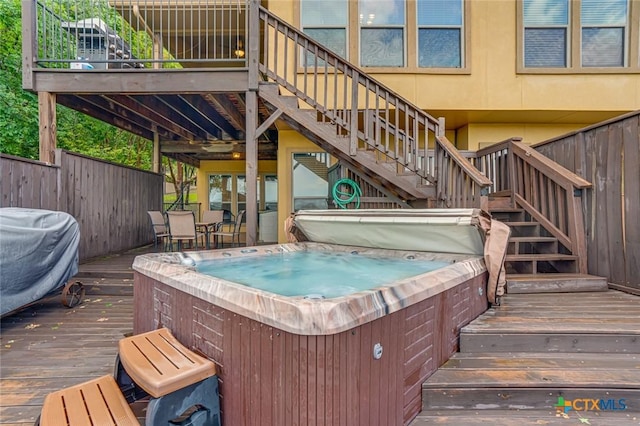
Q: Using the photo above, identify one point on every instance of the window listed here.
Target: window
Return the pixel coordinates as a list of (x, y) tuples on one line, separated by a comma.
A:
[(310, 181), (546, 32), (382, 28), (576, 34), (229, 192), (400, 35), (220, 192), (604, 29), (326, 22), (440, 36)]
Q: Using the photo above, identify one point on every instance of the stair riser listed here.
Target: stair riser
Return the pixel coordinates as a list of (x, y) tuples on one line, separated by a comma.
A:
[(532, 230), (559, 286), (457, 399), (534, 267), (509, 216), (516, 247), (549, 342)]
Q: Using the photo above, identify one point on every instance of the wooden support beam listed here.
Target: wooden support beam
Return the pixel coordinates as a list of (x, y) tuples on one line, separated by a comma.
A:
[(222, 103), (47, 126)]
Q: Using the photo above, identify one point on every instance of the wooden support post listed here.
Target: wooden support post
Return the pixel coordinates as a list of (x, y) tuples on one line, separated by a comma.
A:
[(47, 126), (29, 47), (251, 166), (157, 50), (251, 153), (157, 154)]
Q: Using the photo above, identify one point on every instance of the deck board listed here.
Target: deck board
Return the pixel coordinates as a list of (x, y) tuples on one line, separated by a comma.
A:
[(45, 346)]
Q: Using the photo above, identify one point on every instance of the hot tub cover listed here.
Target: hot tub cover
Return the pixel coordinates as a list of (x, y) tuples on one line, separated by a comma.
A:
[(38, 254)]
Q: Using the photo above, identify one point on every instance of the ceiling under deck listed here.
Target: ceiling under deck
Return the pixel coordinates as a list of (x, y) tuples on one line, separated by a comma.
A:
[(191, 127)]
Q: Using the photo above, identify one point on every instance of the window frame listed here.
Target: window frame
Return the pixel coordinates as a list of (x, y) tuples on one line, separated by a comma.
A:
[(574, 45), (410, 43), (234, 203), (463, 38)]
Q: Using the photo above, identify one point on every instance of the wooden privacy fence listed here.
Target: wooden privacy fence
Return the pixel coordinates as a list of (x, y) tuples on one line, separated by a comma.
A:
[(109, 201), (608, 155)]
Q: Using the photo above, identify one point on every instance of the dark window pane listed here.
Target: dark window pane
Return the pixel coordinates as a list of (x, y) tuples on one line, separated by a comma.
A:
[(545, 47), (382, 47), (439, 48), (602, 47)]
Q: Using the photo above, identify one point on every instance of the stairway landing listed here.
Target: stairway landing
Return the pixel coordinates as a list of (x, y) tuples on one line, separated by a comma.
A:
[(518, 360)]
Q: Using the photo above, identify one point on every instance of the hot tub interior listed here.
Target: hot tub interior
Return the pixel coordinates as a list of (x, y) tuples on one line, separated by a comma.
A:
[(318, 274)]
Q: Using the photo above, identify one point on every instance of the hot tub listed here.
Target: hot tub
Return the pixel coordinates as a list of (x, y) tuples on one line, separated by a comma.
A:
[(357, 359)]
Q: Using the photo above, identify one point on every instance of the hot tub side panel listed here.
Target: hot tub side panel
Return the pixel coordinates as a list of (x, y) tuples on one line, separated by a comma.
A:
[(272, 377)]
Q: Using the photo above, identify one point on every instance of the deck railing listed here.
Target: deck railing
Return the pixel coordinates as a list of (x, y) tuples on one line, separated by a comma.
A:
[(547, 191), (368, 114), (132, 34)]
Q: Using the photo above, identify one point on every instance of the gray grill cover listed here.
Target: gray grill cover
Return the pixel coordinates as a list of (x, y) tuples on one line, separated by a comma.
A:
[(38, 254)]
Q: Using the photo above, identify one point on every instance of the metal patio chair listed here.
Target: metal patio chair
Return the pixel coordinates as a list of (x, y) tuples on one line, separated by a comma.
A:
[(182, 228), (233, 232), (160, 231)]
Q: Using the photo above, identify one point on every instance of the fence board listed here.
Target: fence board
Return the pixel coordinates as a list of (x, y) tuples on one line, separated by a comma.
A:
[(109, 201), (607, 155), (631, 138), (28, 183), (617, 270)]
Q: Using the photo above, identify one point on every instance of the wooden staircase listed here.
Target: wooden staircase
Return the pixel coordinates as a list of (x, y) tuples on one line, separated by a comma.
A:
[(516, 361), (536, 262)]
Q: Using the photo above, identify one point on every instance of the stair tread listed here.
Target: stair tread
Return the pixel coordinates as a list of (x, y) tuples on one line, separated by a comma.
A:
[(524, 417), (533, 239), (622, 378), (521, 223), (552, 277), (505, 210), (540, 256), (542, 360)]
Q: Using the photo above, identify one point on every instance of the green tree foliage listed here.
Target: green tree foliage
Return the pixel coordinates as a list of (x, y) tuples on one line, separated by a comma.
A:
[(76, 132)]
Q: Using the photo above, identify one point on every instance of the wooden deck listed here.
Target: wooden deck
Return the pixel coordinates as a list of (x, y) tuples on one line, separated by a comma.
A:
[(46, 347), (515, 360)]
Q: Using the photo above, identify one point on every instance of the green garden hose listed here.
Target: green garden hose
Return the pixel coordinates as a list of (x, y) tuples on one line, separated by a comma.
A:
[(343, 198)]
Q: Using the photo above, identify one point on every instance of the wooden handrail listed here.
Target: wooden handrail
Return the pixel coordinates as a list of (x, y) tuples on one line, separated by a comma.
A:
[(551, 195), (383, 106), (463, 162), (368, 114), (458, 183), (550, 168)]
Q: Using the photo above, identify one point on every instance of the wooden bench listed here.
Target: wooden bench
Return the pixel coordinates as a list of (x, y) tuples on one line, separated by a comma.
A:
[(96, 402), (153, 364)]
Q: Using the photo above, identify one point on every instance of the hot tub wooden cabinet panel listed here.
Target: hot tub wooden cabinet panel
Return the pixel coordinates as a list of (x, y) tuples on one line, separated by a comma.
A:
[(273, 377)]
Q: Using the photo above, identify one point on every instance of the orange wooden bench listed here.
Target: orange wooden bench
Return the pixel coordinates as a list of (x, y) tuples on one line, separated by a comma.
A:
[(153, 364), (96, 402)]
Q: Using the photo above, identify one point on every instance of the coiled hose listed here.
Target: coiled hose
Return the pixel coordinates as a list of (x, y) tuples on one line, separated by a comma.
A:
[(343, 198)]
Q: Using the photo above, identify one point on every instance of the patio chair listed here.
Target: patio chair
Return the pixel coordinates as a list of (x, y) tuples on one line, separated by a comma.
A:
[(160, 231), (233, 232), (182, 228)]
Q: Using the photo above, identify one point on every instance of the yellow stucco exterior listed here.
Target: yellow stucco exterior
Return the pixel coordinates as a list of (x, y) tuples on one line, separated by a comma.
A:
[(491, 99)]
